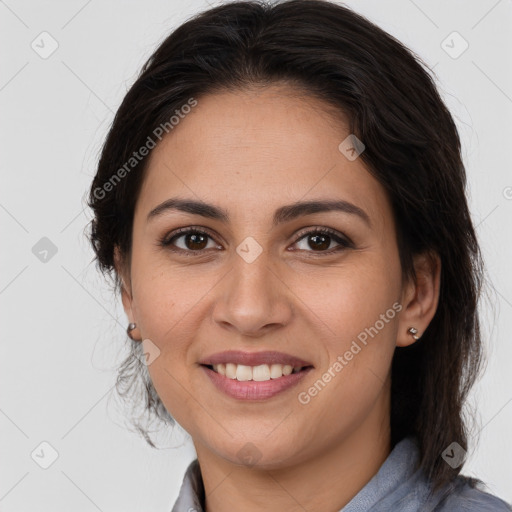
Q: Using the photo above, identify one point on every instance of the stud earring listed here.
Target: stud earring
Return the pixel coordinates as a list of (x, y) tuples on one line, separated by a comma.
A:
[(131, 327), (413, 331)]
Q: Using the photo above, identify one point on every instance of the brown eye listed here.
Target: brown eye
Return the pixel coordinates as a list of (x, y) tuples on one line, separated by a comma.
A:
[(320, 239), (195, 241), (191, 240)]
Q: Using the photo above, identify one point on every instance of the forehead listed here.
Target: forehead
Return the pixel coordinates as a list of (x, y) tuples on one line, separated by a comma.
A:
[(252, 151)]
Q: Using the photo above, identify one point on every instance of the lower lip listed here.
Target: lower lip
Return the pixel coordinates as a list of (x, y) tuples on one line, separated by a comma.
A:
[(254, 390)]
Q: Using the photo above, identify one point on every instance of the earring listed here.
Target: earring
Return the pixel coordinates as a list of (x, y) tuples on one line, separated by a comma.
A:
[(413, 331), (131, 327)]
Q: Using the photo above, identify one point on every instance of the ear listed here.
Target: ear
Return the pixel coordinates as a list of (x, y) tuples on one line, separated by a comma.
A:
[(420, 298), (124, 275)]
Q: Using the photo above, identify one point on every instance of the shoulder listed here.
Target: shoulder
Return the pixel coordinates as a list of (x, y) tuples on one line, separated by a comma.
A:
[(468, 495)]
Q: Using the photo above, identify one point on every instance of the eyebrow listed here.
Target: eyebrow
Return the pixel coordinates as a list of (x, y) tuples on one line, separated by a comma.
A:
[(283, 214)]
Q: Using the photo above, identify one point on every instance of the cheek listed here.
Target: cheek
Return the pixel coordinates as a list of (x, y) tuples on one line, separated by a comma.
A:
[(165, 306), (162, 294), (345, 300), (170, 380), (359, 326), (356, 312)]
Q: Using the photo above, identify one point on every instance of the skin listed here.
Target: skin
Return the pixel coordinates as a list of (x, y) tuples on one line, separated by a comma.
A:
[(251, 152)]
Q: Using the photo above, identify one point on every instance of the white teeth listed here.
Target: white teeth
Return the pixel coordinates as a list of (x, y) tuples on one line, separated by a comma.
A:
[(287, 369), (243, 372), (276, 371), (261, 372), (258, 373), (230, 370)]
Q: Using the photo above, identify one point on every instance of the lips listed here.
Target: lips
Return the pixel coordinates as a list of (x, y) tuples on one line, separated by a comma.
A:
[(254, 358), (253, 390)]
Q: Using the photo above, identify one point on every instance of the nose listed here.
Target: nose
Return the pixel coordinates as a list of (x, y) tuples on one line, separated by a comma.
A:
[(253, 298)]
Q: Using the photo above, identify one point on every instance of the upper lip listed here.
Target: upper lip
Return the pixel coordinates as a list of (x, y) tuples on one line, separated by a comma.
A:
[(254, 358)]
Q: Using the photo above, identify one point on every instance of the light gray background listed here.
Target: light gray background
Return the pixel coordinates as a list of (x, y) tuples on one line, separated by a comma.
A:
[(63, 332)]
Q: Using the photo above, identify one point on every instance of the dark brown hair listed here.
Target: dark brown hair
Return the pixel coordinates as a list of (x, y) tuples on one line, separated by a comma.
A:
[(412, 149)]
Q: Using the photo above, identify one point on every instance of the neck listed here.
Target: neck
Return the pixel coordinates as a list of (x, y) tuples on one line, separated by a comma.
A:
[(327, 482)]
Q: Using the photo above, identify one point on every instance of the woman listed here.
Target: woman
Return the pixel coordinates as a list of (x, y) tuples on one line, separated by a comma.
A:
[(281, 202)]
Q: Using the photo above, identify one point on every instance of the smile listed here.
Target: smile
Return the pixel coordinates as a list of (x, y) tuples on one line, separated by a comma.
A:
[(260, 373), (248, 387)]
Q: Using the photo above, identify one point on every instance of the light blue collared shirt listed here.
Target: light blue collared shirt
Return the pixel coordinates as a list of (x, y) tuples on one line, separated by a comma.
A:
[(398, 486)]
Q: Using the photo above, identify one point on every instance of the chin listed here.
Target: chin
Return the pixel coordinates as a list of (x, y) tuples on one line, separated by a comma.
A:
[(259, 453)]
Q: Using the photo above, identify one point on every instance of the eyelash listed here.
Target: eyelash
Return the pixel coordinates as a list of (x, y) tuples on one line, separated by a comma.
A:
[(166, 240)]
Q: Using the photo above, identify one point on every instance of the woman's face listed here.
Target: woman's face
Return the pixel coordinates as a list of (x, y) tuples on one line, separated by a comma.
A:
[(251, 284)]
